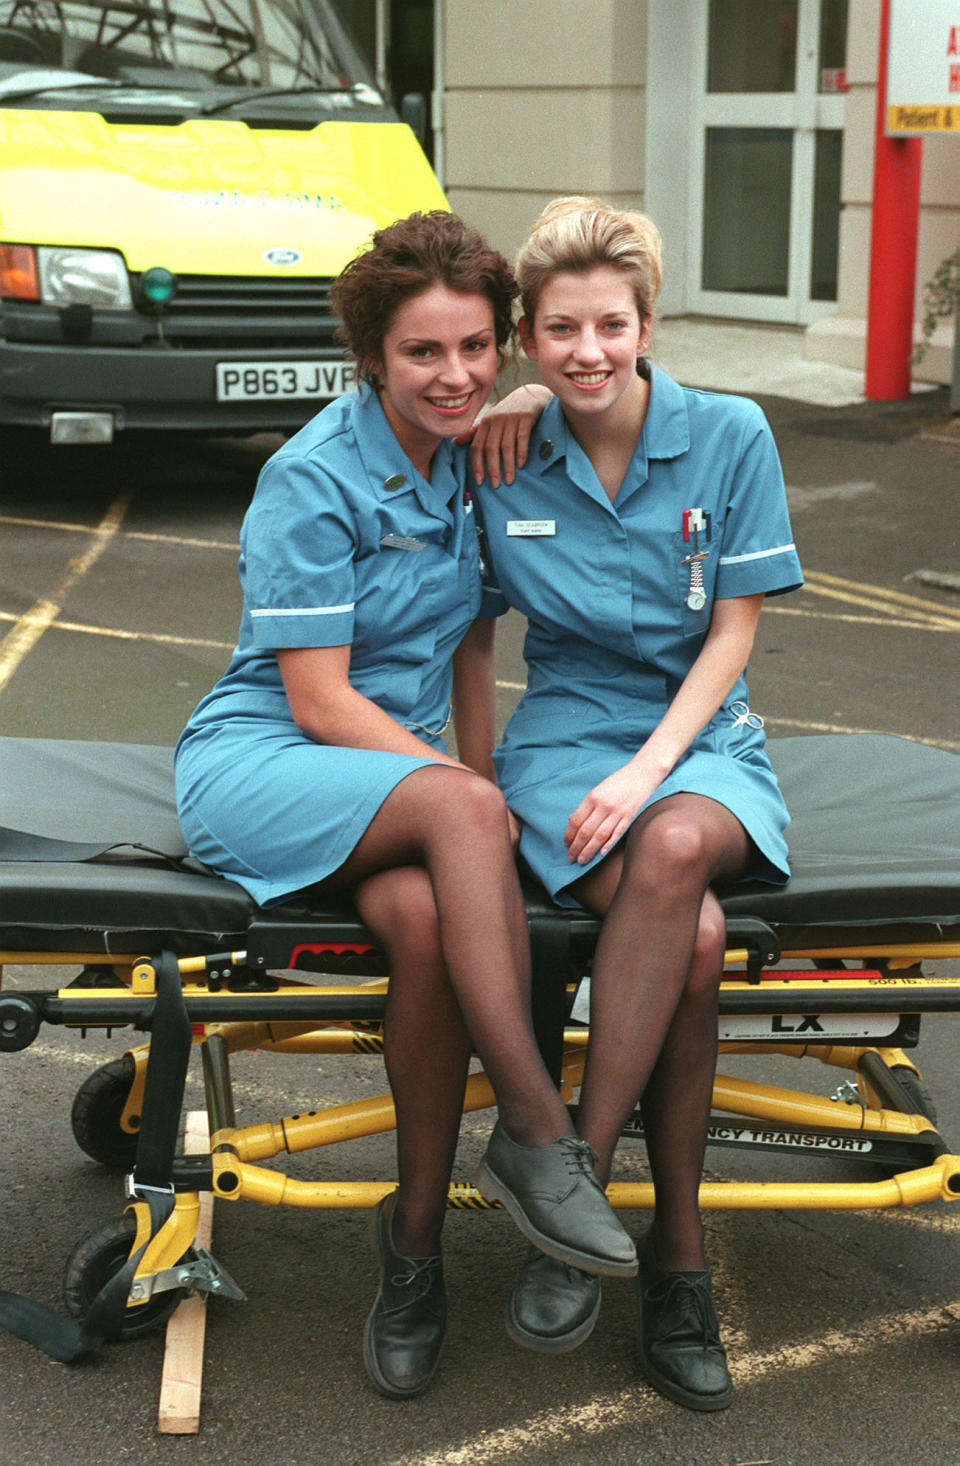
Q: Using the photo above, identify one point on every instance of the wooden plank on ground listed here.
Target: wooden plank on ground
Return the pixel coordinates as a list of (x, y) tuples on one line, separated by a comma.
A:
[(182, 1380)]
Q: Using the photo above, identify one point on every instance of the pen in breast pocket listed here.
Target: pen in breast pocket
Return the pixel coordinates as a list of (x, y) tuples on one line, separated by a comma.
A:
[(695, 522)]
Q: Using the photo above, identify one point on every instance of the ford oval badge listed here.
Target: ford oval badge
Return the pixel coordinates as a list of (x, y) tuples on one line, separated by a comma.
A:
[(282, 254)]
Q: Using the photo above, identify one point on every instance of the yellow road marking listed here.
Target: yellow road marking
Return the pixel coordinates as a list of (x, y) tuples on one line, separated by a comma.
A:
[(876, 603), (67, 527), (160, 637), (511, 1443), (29, 627), (628, 1408), (773, 719), (111, 631), (901, 598), (886, 621), (870, 1337)]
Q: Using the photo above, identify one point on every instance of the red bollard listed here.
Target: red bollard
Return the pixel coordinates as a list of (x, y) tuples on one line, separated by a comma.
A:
[(893, 248)]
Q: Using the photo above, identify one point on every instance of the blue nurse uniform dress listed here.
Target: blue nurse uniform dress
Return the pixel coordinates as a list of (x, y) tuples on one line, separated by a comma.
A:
[(613, 625), (344, 542)]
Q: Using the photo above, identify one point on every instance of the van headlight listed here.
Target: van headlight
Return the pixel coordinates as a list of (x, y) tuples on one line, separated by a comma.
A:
[(70, 276)]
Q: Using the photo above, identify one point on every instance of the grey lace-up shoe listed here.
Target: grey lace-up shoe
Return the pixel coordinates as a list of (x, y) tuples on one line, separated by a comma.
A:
[(404, 1333), (553, 1307), (680, 1347), (553, 1195)]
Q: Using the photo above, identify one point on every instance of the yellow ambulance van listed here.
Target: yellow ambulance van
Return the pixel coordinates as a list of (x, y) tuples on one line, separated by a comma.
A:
[(180, 181)]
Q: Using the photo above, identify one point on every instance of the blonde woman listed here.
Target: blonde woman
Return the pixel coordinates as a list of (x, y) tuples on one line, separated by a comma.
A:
[(639, 538)]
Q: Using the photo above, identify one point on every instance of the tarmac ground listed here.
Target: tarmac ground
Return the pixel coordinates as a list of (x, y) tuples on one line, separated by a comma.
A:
[(118, 609)]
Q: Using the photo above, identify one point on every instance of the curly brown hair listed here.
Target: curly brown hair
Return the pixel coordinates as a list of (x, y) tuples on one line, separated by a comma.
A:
[(405, 258)]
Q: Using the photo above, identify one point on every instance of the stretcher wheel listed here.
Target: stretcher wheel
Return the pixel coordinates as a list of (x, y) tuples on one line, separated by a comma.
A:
[(95, 1116), (97, 1257), (914, 1087), (19, 1022)]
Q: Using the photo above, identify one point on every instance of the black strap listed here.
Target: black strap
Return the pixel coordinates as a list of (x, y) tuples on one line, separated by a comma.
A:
[(65, 1339), (22, 845), (170, 1043)]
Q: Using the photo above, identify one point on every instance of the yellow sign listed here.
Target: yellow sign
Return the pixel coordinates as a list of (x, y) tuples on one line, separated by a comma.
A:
[(923, 119)]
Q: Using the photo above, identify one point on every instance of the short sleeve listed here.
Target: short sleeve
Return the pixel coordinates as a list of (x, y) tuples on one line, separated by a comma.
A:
[(757, 552), (298, 548)]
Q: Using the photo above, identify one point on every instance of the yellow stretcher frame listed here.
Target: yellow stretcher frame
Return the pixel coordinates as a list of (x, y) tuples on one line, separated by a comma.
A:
[(237, 1153)]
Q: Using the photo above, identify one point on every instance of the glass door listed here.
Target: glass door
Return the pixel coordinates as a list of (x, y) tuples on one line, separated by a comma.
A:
[(767, 138)]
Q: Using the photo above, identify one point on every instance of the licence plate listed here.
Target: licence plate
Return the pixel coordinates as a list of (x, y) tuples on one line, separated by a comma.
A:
[(260, 380)]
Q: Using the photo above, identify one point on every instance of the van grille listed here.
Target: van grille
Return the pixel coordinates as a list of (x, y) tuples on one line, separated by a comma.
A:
[(214, 310)]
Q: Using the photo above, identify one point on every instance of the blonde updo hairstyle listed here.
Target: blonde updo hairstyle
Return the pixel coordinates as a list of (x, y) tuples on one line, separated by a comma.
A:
[(577, 233)]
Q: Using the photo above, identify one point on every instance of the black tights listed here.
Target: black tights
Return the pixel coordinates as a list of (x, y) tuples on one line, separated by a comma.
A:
[(434, 878), (653, 1002)]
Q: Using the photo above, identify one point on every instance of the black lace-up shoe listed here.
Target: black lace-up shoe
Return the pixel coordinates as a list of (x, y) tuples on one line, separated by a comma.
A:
[(680, 1347), (404, 1333), (553, 1307), (553, 1195)]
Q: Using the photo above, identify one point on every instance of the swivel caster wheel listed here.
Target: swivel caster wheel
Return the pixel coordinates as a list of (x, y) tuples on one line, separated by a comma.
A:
[(97, 1258)]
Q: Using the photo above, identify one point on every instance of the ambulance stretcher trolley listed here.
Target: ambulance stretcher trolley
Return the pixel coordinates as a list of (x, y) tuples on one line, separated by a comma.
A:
[(841, 966)]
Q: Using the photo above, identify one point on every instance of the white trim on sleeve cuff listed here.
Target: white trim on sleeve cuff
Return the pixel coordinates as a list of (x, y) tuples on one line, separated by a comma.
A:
[(307, 610), (756, 555)]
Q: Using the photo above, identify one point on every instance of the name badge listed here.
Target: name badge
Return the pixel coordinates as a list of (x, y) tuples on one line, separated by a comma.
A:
[(402, 542), (530, 528)]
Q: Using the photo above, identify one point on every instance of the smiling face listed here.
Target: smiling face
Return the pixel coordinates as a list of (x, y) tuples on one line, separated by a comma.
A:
[(586, 336), (438, 368)]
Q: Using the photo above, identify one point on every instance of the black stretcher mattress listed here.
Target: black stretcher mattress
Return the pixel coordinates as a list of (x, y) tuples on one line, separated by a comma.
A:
[(874, 841)]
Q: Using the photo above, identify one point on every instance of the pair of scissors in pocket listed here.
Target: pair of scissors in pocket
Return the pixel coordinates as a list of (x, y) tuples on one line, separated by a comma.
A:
[(742, 715)]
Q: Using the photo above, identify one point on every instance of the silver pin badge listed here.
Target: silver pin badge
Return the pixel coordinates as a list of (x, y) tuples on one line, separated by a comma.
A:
[(395, 481), (546, 448)]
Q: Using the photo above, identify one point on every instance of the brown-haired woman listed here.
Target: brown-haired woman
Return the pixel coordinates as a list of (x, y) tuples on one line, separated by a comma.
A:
[(318, 759)]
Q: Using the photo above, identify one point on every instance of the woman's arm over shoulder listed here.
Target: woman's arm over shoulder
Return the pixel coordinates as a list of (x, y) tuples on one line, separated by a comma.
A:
[(500, 438)]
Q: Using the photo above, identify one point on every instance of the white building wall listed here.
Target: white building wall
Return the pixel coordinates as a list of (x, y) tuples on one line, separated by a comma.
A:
[(667, 188), (541, 97)]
